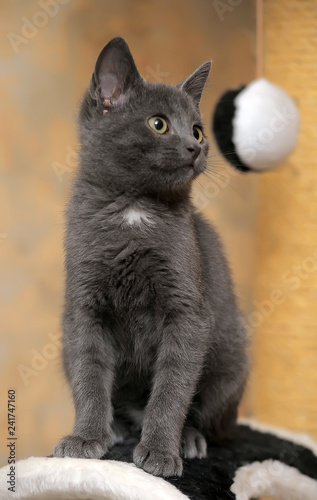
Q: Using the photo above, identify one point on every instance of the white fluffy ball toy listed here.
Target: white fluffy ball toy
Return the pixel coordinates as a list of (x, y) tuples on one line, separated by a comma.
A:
[(256, 126)]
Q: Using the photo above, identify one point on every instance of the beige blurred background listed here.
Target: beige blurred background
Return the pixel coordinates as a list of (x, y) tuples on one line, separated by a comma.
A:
[(48, 49)]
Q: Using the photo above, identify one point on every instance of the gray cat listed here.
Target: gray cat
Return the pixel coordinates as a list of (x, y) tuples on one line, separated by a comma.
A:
[(152, 333)]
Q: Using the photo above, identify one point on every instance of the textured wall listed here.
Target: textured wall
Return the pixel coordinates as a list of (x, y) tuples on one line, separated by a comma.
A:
[(284, 388), (46, 62)]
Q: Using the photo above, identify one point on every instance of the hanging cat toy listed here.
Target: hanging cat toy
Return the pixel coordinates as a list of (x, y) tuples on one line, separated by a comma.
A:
[(256, 126)]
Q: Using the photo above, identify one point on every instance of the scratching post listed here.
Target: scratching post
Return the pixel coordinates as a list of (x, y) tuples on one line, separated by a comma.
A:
[(284, 317)]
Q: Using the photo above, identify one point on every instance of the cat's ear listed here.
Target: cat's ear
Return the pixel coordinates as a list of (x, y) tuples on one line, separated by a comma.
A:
[(194, 84), (115, 74)]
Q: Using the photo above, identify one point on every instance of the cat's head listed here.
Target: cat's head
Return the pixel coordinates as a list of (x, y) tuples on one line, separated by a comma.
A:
[(138, 135)]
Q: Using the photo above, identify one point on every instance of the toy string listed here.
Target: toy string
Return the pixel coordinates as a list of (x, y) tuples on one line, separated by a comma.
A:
[(259, 38)]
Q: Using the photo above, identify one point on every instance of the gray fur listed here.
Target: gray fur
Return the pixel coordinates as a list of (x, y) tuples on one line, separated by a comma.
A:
[(152, 334)]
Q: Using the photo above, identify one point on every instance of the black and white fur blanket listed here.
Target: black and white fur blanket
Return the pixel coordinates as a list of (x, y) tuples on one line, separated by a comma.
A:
[(261, 461)]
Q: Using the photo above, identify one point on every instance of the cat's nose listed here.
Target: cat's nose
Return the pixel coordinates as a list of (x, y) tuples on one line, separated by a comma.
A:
[(194, 149)]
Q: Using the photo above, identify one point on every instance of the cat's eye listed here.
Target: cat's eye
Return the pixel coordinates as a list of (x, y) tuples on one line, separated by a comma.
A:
[(158, 124), (197, 133)]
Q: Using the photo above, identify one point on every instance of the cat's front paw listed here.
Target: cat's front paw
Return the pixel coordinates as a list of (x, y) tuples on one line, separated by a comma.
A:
[(78, 447), (157, 462)]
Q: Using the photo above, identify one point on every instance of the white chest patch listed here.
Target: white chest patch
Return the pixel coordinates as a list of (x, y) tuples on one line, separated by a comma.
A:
[(137, 216)]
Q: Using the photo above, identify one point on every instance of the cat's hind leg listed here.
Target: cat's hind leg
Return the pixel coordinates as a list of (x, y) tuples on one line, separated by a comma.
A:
[(120, 431), (215, 407), (194, 444)]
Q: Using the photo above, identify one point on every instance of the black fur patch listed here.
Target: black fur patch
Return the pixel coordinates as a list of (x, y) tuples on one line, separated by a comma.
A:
[(211, 477), (222, 128)]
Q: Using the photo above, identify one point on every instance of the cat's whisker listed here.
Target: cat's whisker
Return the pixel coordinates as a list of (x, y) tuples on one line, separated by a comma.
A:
[(221, 175), (221, 171), (224, 175), (232, 172), (203, 188), (222, 154), (220, 161), (211, 176)]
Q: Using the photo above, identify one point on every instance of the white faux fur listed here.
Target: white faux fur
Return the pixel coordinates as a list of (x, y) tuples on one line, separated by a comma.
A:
[(273, 479), (295, 437), (81, 479)]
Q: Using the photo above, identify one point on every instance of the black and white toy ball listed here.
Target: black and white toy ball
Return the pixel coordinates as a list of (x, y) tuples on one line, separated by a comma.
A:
[(256, 126)]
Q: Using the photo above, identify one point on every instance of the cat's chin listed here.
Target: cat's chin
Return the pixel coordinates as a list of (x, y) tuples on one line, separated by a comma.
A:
[(183, 175), (186, 173), (185, 167), (186, 170)]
